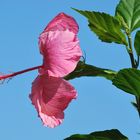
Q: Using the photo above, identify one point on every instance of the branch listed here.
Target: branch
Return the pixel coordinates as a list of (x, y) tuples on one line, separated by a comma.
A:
[(83, 69)]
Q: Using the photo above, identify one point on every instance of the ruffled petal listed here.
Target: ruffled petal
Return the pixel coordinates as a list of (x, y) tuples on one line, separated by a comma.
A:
[(61, 52), (51, 96), (62, 22)]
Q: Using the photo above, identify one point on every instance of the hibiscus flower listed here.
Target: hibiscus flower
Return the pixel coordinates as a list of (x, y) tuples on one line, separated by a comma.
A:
[(61, 52)]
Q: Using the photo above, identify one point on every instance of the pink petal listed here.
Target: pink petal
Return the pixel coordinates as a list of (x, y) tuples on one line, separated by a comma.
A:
[(62, 22), (51, 96), (61, 52)]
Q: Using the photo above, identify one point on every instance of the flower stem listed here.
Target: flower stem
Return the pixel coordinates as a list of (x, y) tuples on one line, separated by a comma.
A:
[(19, 72)]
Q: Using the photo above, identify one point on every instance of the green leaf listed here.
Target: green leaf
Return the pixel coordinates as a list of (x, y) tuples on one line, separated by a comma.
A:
[(83, 69), (137, 43), (129, 10), (113, 134), (106, 27), (128, 80)]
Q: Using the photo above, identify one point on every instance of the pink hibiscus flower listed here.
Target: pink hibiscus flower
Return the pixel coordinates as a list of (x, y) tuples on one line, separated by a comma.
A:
[(59, 46)]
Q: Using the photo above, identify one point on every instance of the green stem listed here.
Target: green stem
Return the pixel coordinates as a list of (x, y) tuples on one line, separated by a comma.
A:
[(134, 64), (130, 52)]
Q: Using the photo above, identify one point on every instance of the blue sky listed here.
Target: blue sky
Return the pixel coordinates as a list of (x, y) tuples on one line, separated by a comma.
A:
[(99, 105)]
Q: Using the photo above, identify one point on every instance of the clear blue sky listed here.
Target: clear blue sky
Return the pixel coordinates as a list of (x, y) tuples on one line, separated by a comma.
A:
[(99, 106)]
